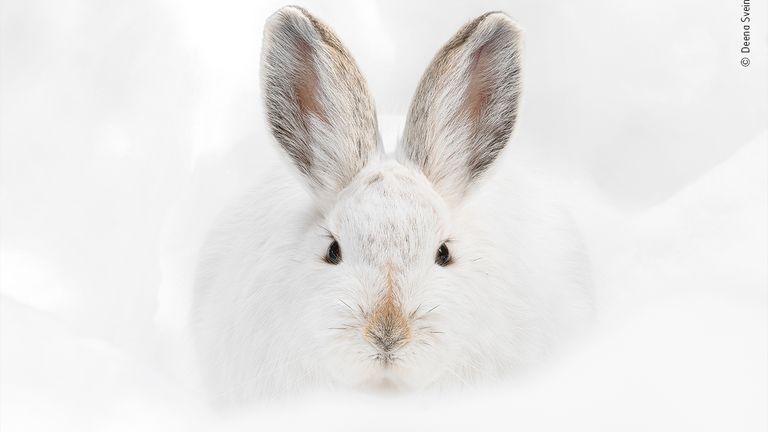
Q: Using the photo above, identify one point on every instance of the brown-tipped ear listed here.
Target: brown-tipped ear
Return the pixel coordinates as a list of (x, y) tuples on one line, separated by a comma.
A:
[(317, 102), (465, 106)]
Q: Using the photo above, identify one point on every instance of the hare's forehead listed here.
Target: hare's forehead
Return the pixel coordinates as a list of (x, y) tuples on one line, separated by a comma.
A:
[(390, 206)]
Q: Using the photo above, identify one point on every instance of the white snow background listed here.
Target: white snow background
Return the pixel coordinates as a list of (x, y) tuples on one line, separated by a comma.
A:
[(126, 126)]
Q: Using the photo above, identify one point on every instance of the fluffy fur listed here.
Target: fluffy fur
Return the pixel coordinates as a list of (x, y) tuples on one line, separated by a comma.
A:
[(272, 316)]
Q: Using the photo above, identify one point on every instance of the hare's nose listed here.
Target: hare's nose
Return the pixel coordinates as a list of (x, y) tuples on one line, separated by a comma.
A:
[(387, 328)]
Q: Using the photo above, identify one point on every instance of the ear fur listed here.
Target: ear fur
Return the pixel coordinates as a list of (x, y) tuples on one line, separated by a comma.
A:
[(465, 106), (317, 102)]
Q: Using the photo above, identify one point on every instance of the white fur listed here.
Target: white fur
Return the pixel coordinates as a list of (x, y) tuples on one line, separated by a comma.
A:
[(271, 316)]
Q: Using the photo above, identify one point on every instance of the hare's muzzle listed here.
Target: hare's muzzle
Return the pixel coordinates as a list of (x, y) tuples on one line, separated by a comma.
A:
[(387, 328)]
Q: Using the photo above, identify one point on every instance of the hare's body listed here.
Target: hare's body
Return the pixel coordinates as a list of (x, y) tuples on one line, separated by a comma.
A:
[(524, 284), (386, 270)]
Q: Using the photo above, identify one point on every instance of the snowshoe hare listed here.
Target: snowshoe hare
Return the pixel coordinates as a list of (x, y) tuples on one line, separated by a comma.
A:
[(422, 269)]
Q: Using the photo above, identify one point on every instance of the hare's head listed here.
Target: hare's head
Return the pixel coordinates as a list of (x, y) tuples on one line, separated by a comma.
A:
[(393, 292)]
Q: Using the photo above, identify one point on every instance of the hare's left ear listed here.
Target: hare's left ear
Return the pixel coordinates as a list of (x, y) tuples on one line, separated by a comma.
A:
[(465, 105), (317, 102)]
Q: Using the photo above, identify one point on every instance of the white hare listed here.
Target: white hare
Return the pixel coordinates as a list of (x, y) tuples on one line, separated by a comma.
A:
[(421, 269)]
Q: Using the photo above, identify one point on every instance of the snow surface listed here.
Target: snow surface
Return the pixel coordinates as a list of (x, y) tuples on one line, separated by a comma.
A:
[(126, 126)]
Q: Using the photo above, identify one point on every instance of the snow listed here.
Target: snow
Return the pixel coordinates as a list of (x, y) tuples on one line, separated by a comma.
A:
[(126, 126)]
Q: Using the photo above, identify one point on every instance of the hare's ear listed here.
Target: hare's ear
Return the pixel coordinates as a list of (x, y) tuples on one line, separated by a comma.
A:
[(317, 102), (465, 105)]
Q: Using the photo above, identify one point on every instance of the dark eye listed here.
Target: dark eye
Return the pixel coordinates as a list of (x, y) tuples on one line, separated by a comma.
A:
[(443, 257), (333, 256)]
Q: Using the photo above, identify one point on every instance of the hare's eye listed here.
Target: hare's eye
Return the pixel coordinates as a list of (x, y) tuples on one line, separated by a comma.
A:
[(333, 256), (443, 257)]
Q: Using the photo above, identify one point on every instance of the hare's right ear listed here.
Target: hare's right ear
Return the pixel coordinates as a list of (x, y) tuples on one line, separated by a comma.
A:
[(317, 102), (465, 106)]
